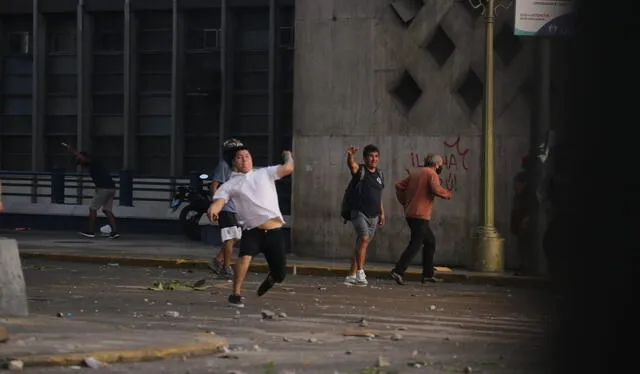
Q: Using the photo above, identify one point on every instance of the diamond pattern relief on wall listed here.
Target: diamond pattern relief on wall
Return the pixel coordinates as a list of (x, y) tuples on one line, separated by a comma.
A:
[(406, 9), (440, 47), (471, 90), (507, 45), (407, 91)]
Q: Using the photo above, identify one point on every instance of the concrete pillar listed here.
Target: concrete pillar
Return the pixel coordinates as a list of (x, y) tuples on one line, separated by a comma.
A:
[(226, 69), (13, 294), (176, 164)]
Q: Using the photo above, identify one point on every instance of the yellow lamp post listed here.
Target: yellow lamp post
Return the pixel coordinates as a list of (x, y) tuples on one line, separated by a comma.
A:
[(488, 246)]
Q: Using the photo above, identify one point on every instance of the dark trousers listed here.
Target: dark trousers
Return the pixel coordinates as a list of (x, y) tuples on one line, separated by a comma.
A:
[(271, 243), (421, 236)]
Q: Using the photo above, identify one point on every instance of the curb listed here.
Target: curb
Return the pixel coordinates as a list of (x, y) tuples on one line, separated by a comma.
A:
[(493, 279), (125, 356)]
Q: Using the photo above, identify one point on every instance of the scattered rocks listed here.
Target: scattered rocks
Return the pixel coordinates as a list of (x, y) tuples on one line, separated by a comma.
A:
[(172, 314), (285, 339), (312, 340), (322, 289), (15, 365), (282, 315), (362, 333), (396, 337), (92, 363), (432, 307), (363, 323), (348, 352), (401, 328), (382, 362), (468, 369), (267, 314)]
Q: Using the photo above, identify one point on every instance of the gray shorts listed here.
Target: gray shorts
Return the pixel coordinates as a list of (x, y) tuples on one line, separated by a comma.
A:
[(103, 199), (364, 226)]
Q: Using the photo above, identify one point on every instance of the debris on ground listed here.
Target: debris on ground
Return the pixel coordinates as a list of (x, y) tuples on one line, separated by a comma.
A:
[(382, 362), (176, 285), (15, 365), (361, 333), (172, 314), (92, 363)]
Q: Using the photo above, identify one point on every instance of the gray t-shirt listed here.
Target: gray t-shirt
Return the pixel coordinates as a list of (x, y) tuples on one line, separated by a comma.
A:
[(221, 175)]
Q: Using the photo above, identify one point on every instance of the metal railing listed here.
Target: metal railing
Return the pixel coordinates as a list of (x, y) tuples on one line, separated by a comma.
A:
[(59, 186)]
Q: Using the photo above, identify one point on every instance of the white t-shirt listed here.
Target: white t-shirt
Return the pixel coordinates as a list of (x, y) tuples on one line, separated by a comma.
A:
[(254, 195)]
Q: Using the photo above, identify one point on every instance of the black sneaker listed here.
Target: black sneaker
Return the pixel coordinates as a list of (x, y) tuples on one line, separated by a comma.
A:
[(236, 301), (87, 234), (114, 235), (226, 273), (397, 277), (432, 280), (215, 266), (266, 285)]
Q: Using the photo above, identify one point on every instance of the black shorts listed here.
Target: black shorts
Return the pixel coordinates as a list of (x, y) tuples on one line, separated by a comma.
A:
[(271, 243), (227, 219), (268, 242)]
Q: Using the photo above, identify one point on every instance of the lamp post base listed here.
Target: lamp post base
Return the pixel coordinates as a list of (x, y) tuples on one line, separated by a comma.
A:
[(488, 250)]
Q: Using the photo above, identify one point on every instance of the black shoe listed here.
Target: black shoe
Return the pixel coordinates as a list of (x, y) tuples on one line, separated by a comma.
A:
[(397, 277), (236, 301), (215, 266), (266, 285), (87, 234), (114, 235), (432, 280)]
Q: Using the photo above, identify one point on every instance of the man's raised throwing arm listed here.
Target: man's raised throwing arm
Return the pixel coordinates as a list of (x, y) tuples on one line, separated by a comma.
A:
[(287, 166), (351, 159)]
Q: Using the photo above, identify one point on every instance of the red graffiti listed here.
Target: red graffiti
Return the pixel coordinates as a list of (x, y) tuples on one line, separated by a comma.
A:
[(454, 159), (450, 159)]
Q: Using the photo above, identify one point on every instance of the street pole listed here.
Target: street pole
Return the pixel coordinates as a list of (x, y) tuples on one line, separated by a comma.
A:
[(488, 246)]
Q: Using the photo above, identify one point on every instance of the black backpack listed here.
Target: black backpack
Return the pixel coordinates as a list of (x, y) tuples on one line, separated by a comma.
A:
[(350, 193)]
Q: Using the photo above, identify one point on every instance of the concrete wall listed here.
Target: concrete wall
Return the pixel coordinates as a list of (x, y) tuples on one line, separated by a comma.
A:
[(350, 55)]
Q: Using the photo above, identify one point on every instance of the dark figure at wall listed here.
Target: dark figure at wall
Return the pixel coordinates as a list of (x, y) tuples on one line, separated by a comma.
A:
[(524, 215)]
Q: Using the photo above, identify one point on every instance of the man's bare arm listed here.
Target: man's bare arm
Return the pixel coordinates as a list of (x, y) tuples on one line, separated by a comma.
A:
[(77, 154), (215, 208), (287, 167), (351, 159), (214, 187)]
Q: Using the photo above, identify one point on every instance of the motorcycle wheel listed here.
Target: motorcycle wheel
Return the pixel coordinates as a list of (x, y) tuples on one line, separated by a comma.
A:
[(190, 220)]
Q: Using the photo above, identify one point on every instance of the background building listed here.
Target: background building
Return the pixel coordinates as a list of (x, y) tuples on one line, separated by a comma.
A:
[(406, 75), (154, 86)]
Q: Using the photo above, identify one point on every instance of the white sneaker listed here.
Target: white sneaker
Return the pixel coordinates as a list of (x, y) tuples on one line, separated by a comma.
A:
[(361, 278), (351, 280)]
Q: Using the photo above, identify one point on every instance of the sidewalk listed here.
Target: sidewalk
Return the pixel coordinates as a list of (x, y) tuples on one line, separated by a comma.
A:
[(51, 341), (171, 252)]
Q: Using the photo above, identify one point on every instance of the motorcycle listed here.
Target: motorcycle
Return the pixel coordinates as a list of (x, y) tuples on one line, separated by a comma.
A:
[(198, 203)]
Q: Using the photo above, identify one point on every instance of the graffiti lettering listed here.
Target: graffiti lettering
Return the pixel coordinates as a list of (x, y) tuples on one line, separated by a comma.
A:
[(455, 162)]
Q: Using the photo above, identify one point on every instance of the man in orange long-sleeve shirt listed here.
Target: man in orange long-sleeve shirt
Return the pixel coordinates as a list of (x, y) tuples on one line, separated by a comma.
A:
[(417, 193)]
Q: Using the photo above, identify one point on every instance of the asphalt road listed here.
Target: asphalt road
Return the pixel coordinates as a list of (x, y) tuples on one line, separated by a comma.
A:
[(443, 328)]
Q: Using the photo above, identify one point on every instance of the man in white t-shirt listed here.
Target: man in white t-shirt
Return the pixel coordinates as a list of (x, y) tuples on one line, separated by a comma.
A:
[(256, 200)]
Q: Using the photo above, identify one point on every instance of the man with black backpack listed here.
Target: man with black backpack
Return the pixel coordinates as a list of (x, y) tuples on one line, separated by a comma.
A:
[(362, 205)]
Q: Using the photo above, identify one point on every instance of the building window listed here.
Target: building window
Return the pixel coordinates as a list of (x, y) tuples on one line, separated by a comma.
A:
[(63, 43), (286, 37), (109, 42), (20, 43), (212, 38)]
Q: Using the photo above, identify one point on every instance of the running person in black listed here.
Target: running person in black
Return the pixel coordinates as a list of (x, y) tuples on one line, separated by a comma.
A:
[(104, 195)]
